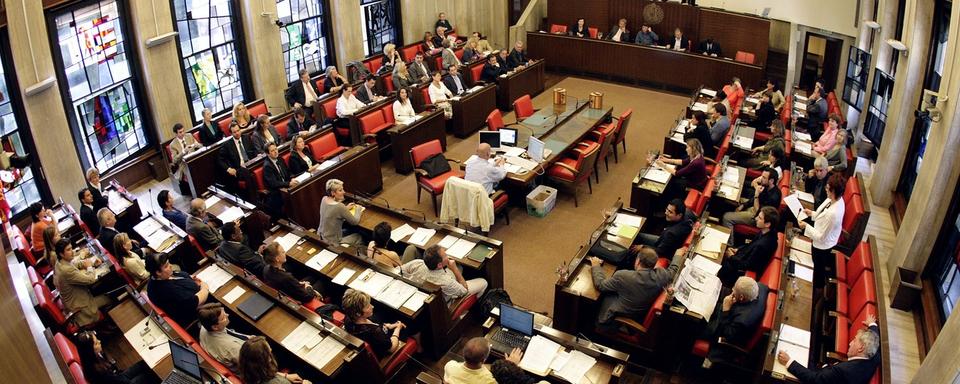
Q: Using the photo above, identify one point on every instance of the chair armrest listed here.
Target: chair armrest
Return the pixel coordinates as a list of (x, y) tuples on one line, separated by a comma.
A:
[(420, 172), (836, 356), (571, 169), (629, 323), (454, 160), (496, 194), (723, 342), (709, 160)]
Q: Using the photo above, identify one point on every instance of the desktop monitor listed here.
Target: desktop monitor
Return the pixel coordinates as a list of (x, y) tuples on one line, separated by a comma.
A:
[(490, 137), (516, 319), (535, 149), (508, 137)]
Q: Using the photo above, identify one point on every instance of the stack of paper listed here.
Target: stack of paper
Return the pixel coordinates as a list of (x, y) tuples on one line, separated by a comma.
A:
[(146, 227), (371, 282), (699, 107), (657, 175), (231, 214), (576, 366), (801, 258), (678, 137), (460, 248), (421, 236), (309, 343), (627, 219), (234, 294), (796, 343), (711, 241), (708, 92), (731, 175), (403, 231), (320, 261), (214, 276), (802, 136), (805, 196), (803, 272), (803, 147), (448, 241), (793, 204), (324, 352), (344, 276), (116, 202), (799, 97), (800, 106), (705, 265), (753, 100), (682, 126), (157, 240), (729, 191), (59, 214), (415, 301), (303, 177), (152, 345), (743, 142), (329, 163), (211, 201), (801, 244), (396, 294), (539, 354), (288, 241)]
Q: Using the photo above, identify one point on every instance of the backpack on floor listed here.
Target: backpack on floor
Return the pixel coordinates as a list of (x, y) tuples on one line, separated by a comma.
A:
[(492, 299)]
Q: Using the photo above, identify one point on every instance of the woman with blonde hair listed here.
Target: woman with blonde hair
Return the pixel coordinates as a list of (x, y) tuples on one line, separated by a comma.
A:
[(131, 258), (390, 57), (837, 155), (383, 338), (401, 76), (242, 116)]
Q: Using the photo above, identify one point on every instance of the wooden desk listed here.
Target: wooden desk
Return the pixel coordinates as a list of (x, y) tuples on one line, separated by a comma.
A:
[(356, 131), (743, 136), (126, 315), (643, 64), (794, 308), (491, 268), (358, 168), (403, 138), (470, 112), (67, 221), (200, 168), (526, 81), (729, 190), (645, 193)]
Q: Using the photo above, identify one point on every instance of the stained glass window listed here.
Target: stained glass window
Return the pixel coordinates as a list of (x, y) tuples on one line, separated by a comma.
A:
[(102, 89), (20, 187), (304, 36), (211, 64), (381, 21)]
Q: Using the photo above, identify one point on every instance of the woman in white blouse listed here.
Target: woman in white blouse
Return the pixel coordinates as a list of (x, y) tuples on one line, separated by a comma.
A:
[(826, 228), (348, 104), (402, 108), (440, 95)]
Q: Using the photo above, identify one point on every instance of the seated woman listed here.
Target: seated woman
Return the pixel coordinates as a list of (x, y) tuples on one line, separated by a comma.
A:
[(390, 58), (401, 76), (837, 156), (176, 216), (302, 159), (264, 135), (333, 213), (690, 172), (698, 129), (379, 251), (429, 47), (470, 52), (258, 366), (760, 152), (50, 238), (335, 81), (74, 285), (403, 110), (242, 116), (277, 277), (131, 258), (384, 339), (100, 368), (829, 137), (579, 29), (41, 218), (440, 95)]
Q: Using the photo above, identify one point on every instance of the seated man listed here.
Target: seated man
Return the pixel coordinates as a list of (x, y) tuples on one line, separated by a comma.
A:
[(176, 293), (233, 250), (492, 70), (219, 341), (518, 56), (234, 153), (302, 93), (472, 370), (738, 317), (181, 145), (367, 94), (175, 216), (862, 360), (630, 292), (454, 81), (280, 279), (436, 268), (300, 122), (679, 225), (619, 32), (765, 194), (87, 212), (755, 255), (108, 230), (709, 47), (480, 170), (721, 125), (646, 36), (201, 227)]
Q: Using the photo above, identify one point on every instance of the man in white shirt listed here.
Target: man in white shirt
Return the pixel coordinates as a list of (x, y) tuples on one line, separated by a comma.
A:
[(347, 103), (435, 267), (619, 32), (678, 43), (219, 341), (480, 170)]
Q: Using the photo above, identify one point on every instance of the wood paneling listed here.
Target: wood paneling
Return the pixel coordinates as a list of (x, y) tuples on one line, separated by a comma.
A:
[(566, 12), (490, 18), (675, 15), (22, 362), (737, 32)]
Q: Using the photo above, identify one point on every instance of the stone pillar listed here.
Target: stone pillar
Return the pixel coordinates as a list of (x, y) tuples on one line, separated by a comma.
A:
[(48, 121), (161, 66), (940, 364), (937, 178), (264, 53), (347, 32), (907, 89)]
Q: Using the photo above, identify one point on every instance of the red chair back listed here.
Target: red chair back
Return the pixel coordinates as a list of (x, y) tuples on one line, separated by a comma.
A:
[(861, 260), (319, 82), (852, 188), (655, 309), (494, 120), (458, 53), (330, 108), (744, 57), (325, 146), (388, 113), (224, 124), (593, 32), (76, 372), (374, 64), (258, 108), (410, 52), (558, 28), (622, 125), (66, 348), (853, 211), (425, 94), (425, 150), (766, 323), (281, 126), (523, 107), (463, 307), (49, 305), (371, 121), (388, 83), (476, 72), (771, 275), (692, 202), (258, 177), (862, 292)]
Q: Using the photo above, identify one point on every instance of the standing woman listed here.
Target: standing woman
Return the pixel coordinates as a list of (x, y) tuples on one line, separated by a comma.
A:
[(402, 108), (579, 29), (100, 368), (301, 160), (264, 135), (74, 285), (334, 80), (824, 233), (440, 95), (241, 116), (333, 213)]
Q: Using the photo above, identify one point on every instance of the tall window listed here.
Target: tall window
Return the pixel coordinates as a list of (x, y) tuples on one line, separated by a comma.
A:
[(103, 92), (211, 64), (20, 187), (857, 71), (381, 24), (304, 36), (876, 119)]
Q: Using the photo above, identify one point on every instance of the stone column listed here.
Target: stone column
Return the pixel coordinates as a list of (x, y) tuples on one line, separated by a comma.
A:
[(347, 32), (908, 87), (940, 365), (161, 66), (48, 121), (264, 53), (937, 178)]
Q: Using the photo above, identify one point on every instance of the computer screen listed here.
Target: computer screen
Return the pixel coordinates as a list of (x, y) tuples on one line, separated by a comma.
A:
[(185, 360), (508, 137), (535, 149), (490, 137), (516, 319)]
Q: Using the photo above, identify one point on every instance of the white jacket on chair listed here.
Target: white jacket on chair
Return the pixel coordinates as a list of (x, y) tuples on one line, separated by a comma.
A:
[(467, 201)]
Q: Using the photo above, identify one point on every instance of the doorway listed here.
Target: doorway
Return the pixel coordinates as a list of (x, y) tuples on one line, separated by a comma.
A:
[(821, 60)]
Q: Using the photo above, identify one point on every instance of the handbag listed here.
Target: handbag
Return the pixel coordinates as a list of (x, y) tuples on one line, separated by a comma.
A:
[(435, 165), (609, 251)]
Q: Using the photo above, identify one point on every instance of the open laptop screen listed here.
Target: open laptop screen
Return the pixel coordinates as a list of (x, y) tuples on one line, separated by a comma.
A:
[(516, 319), (185, 360), (490, 137)]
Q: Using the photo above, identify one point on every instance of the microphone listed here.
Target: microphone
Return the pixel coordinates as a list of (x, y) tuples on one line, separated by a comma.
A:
[(149, 198), (405, 210), (590, 344), (157, 345), (576, 101)]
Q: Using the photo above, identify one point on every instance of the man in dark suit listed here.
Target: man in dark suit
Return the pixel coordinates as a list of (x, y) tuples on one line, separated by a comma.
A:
[(630, 292), (518, 56), (739, 316), (233, 250), (200, 227), (443, 22), (277, 180), (87, 212), (367, 94), (418, 69), (755, 255), (816, 115), (303, 93), (862, 360), (502, 57), (679, 225), (492, 70), (620, 32), (678, 42), (299, 123), (454, 81), (108, 230), (234, 153), (210, 133), (709, 47)]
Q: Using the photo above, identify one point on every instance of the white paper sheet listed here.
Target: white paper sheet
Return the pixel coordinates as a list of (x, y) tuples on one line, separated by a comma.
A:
[(795, 335), (461, 248), (234, 294), (559, 361), (731, 175), (803, 147), (795, 207), (212, 200), (796, 352), (214, 276), (320, 355), (708, 92), (288, 241), (303, 177), (706, 265), (699, 107), (539, 354), (626, 219), (576, 366), (728, 191), (802, 136), (800, 106), (153, 336), (801, 257), (421, 236), (802, 244), (678, 137), (146, 227), (803, 272), (329, 163), (657, 174), (805, 196), (117, 202), (396, 293), (448, 241), (682, 126), (344, 276), (371, 282), (415, 301), (401, 232), (698, 291), (320, 261), (230, 214), (743, 142), (514, 151)]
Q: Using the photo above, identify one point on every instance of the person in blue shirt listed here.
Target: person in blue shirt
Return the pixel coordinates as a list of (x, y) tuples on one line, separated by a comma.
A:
[(176, 216)]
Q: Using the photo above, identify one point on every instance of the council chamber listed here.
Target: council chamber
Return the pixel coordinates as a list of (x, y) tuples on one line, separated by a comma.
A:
[(432, 191)]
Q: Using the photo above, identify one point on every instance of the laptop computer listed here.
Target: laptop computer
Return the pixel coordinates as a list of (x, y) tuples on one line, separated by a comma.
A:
[(255, 306), (186, 366), (508, 137), (516, 328)]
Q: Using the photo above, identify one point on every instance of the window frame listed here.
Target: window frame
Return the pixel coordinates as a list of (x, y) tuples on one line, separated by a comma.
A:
[(240, 48), (871, 118), (377, 49), (132, 53), (862, 58), (327, 20)]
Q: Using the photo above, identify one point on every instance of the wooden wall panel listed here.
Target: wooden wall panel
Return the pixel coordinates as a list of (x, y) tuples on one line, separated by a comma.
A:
[(737, 32), (566, 12), (675, 16)]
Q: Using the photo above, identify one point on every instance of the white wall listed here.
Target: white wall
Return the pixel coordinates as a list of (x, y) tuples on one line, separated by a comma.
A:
[(832, 15)]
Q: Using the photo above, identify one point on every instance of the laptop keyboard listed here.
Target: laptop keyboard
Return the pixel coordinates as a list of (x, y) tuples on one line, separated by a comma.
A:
[(510, 340), (177, 377)]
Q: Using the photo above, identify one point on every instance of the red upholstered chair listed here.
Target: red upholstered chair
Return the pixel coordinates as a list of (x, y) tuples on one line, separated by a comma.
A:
[(854, 223), (851, 301), (387, 111), (692, 201), (461, 308), (325, 146), (845, 330), (852, 188), (425, 96), (388, 83), (632, 332), (702, 347), (712, 163), (558, 28), (53, 311), (371, 124), (76, 373), (458, 53), (390, 365), (281, 127), (374, 64), (33, 276), (410, 52), (258, 178), (495, 120), (523, 107), (622, 123), (501, 205), (434, 185), (476, 72), (602, 136), (574, 167), (745, 57), (201, 253), (593, 32), (771, 274), (258, 108), (849, 269), (66, 348), (224, 124), (320, 86), (438, 62)]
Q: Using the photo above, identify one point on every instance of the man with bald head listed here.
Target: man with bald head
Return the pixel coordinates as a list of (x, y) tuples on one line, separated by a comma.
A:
[(481, 170), (471, 370), (201, 227)]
